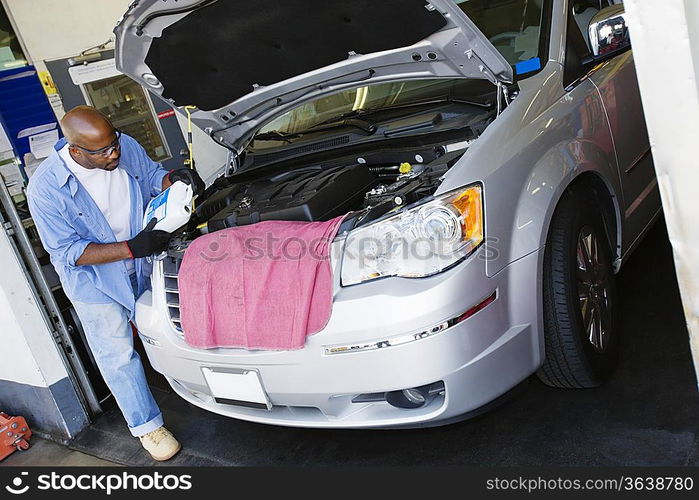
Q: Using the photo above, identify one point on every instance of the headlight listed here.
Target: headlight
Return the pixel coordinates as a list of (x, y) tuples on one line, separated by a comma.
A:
[(417, 242)]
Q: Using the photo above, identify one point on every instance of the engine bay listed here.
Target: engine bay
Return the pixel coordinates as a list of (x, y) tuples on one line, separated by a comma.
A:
[(364, 164), (367, 187), (308, 194)]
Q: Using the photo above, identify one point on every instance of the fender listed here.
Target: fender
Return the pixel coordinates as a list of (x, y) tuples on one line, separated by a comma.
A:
[(545, 140)]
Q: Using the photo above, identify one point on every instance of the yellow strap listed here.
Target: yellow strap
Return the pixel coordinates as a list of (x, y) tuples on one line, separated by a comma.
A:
[(189, 135), (190, 145)]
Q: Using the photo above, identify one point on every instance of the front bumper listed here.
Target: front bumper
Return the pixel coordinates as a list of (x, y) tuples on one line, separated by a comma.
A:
[(478, 359)]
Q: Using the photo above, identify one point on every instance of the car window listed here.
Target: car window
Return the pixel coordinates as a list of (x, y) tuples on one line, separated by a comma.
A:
[(514, 27), (371, 97)]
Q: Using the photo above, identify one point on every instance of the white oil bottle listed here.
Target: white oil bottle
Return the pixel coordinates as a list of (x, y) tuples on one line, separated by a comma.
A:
[(172, 207)]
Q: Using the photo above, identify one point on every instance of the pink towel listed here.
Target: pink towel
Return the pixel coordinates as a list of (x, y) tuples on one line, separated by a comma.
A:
[(262, 286)]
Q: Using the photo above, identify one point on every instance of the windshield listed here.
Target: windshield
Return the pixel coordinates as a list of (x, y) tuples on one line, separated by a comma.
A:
[(368, 99), (512, 26)]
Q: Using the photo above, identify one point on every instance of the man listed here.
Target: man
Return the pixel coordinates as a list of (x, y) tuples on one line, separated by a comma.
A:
[(87, 200)]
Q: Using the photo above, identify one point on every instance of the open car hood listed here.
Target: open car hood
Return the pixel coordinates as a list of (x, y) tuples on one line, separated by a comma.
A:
[(242, 63)]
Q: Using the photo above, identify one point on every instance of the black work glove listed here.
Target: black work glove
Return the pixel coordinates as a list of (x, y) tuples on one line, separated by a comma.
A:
[(188, 176), (148, 242)]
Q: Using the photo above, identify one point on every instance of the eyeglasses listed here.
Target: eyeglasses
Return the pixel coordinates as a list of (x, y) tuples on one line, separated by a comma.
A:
[(105, 151)]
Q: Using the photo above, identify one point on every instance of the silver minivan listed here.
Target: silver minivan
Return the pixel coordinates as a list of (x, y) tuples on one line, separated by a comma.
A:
[(504, 137)]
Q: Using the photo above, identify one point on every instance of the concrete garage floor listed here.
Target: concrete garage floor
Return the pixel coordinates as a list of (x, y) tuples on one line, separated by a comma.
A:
[(44, 453), (646, 415)]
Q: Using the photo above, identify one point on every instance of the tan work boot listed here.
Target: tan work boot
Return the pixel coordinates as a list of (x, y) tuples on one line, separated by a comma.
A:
[(161, 444)]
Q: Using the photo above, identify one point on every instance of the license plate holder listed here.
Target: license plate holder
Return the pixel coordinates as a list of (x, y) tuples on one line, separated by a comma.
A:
[(237, 387)]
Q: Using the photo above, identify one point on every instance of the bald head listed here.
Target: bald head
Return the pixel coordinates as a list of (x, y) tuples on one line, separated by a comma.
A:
[(93, 140), (87, 127)]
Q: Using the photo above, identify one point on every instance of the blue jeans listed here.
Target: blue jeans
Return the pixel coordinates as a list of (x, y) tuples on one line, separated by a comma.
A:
[(110, 338)]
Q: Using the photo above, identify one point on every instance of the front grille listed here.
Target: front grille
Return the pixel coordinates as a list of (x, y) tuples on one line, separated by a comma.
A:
[(171, 269)]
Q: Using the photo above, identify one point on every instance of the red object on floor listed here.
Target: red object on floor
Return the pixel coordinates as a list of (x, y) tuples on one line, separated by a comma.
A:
[(14, 435)]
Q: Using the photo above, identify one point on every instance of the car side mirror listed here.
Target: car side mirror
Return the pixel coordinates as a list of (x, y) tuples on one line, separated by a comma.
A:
[(609, 32)]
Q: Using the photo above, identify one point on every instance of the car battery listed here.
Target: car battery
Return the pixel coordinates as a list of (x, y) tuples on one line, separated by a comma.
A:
[(14, 435)]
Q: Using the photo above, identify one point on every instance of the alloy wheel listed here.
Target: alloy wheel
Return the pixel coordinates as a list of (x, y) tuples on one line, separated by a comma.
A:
[(593, 290)]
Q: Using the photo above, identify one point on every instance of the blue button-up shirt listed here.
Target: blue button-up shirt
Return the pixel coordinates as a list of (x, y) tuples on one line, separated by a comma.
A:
[(68, 220)]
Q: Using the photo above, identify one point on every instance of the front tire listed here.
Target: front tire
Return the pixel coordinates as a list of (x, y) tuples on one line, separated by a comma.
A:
[(580, 327)]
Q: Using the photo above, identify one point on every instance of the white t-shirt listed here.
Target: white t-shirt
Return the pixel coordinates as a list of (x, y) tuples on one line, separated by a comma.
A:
[(110, 191)]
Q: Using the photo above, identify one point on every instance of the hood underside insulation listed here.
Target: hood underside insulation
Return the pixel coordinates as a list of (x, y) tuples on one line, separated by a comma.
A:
[(215, 55)]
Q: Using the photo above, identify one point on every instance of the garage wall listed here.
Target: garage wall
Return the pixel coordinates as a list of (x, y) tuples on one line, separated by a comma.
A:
[(55, 29), (19, 366), (58, 29), (34, 382)]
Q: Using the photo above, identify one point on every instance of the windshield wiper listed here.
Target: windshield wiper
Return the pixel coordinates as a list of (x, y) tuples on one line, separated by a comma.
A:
[(437, 100), (343, 121), (276, 135), (344, 116)]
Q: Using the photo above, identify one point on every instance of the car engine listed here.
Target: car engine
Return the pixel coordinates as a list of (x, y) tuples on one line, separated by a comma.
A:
[(371, 187), (308, 194)]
